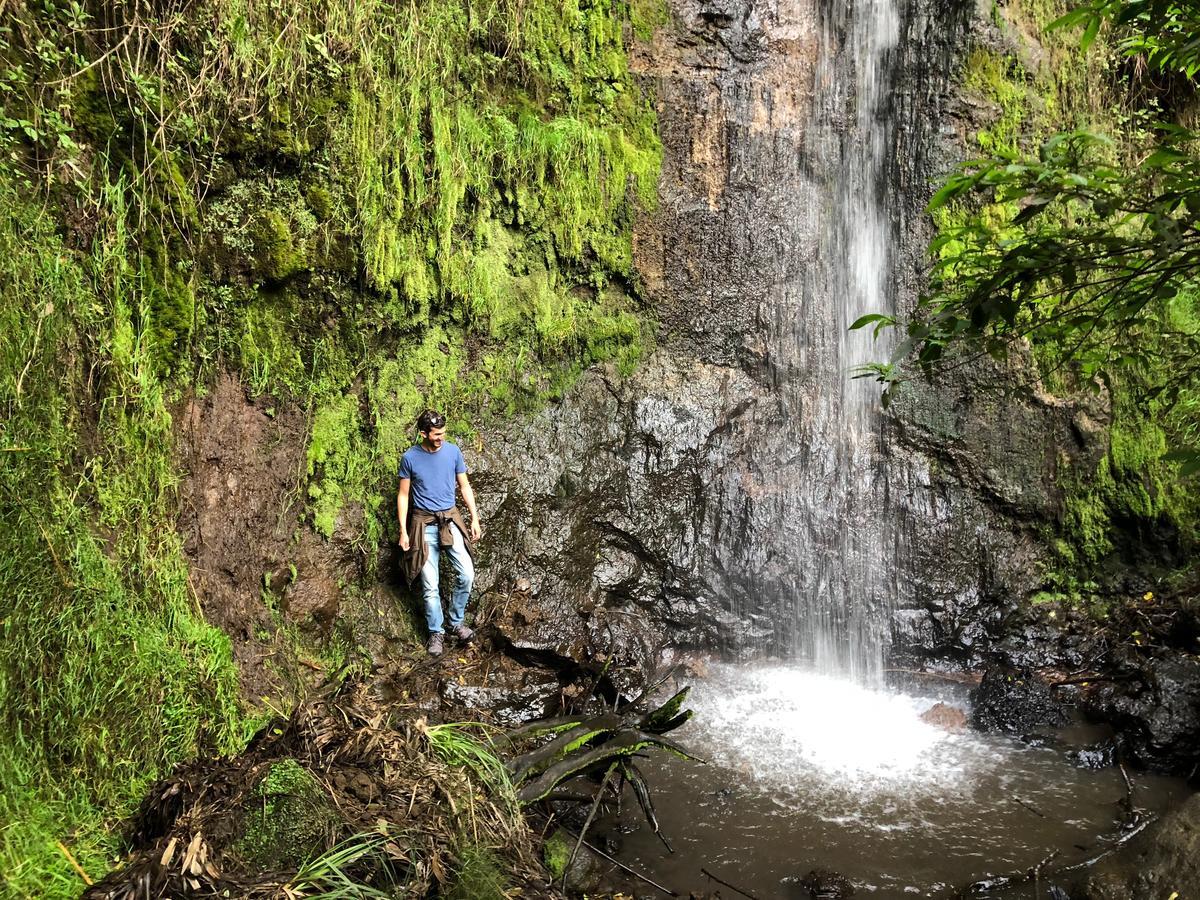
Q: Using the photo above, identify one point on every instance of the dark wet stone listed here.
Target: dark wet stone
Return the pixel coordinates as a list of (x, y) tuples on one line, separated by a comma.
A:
[(823, 884), (579, 871), (1156, 712), (513, 698), (1014, 701)]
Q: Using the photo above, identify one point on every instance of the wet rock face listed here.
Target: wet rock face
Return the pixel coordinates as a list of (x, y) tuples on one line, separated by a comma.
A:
[(512, 698), (598, 506), (1156, 711), (677, 505), (1014, 701)]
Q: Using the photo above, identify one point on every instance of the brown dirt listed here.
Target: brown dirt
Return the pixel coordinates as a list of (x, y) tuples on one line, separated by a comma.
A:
[(241, 515)]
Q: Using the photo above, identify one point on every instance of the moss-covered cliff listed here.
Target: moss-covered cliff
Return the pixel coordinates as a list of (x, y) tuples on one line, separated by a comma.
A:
[(359, 209), (1126, 518)]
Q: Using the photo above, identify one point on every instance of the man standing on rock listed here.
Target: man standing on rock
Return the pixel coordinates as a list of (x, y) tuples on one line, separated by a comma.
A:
[(430, 522)]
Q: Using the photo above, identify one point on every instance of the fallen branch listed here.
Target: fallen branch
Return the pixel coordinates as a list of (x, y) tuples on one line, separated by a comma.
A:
[(732, 887), (1091, 679), (1004, 881), (616, 862), (1116, 845), (74, 862), (956, 677), (1032, 809), (588, 822)]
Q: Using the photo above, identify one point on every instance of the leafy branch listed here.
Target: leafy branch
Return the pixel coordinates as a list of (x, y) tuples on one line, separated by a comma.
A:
[(1087, 250)]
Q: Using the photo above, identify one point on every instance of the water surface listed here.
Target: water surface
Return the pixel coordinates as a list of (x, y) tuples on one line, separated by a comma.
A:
[(808, 771)]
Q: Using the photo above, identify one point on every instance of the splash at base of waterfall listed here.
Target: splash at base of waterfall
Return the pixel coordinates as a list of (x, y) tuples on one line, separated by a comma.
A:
[(786, 727)]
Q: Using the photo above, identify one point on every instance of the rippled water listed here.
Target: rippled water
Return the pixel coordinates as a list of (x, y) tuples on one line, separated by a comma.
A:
[(806, 771)]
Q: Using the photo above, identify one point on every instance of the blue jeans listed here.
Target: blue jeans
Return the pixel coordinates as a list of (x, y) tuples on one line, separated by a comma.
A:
[(464, 578)]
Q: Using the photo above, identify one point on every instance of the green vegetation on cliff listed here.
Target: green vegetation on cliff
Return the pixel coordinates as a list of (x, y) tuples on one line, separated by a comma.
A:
[(109, 672), (362, 208), (1076, 234)]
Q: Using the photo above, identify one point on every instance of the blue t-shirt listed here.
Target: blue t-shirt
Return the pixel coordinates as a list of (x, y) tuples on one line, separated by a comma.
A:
[(433, 475)]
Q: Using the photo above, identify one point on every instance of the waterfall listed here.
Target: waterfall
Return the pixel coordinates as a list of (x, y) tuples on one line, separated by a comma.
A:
[(846, 582)]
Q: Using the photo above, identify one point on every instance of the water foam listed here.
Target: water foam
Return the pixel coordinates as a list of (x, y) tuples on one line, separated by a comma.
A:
[(789, 730)]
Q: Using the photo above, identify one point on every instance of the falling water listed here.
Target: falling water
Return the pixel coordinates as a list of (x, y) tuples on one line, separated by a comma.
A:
[(846, 568)]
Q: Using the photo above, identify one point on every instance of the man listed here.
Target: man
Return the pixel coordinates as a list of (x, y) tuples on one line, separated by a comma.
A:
[(430, 523)]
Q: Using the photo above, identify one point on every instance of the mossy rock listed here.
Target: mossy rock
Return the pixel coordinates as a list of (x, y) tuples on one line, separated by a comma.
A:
[(585, 871), (289, 819), (277, 254)]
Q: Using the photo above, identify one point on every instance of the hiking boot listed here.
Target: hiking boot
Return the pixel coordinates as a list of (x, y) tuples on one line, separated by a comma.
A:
[(463, 633), (436, 644)]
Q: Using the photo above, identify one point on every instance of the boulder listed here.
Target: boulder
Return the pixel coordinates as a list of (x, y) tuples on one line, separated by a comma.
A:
[(1013, 700), (1156, 711)]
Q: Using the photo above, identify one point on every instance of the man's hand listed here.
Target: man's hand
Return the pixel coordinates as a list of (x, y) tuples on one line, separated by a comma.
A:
[(476, 531), (405, 543)]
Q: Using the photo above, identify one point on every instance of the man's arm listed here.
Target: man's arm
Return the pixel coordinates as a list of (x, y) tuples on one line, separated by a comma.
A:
[(402, 512), (468, 496)]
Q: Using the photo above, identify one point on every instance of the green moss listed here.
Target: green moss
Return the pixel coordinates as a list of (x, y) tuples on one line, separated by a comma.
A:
[(556, 852), (278, 256), (320, 201), (998, 80), (289, 819), (646, 16), (335, 461), (267, 349)]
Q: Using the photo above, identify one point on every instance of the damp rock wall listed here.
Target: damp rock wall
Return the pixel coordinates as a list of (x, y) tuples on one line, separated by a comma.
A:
[(687, 499)]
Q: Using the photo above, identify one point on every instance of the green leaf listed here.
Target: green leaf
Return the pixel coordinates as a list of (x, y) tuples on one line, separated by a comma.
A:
[(862, 321), (1031, 210), (1074, 17)]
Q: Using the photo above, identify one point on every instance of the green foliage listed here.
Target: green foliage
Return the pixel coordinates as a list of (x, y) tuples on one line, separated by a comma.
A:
[(289, 820), (331, 875), (479, 876), (1088, 260), (1161, 32), (453, 742), (584, 746), (109, 675), (364, 207), (1084, 246)]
